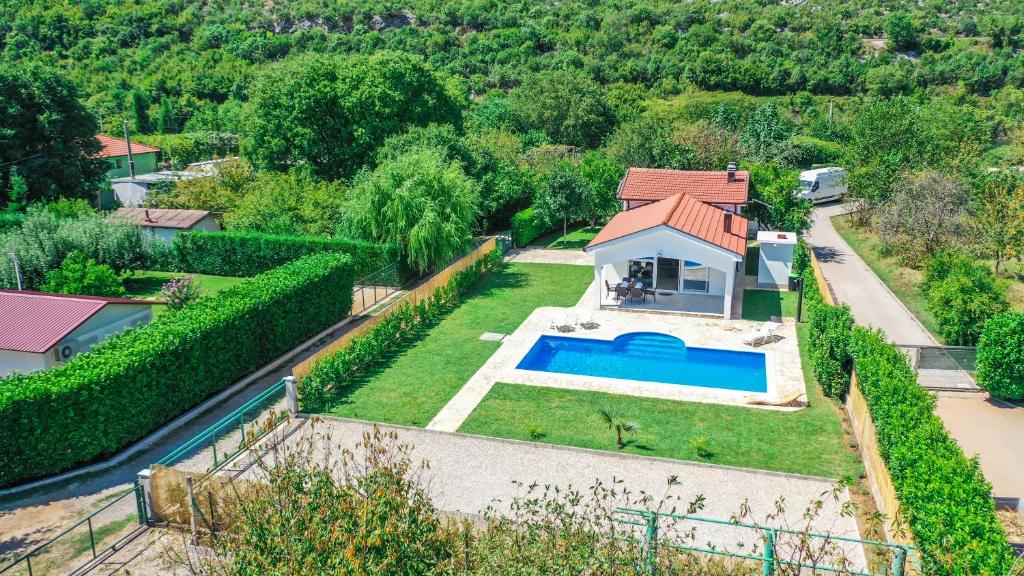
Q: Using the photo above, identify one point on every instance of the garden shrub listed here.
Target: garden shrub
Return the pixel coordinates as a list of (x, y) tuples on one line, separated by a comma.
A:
[(250, 253), (134, 382), (79, 275), (962, 294), (526, 226), (944, 497), (1001, 356), (830, 347), (330, 375)]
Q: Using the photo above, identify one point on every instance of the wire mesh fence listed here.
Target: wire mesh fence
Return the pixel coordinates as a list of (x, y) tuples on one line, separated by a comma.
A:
[(86, 540), (374, 288), (943, 367)]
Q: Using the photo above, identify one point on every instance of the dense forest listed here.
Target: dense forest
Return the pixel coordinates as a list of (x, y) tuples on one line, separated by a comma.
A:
[(513, 105)]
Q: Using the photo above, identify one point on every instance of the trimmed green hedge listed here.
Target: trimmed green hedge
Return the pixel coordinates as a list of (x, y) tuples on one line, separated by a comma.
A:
[(1001, 356), (829, 331), (250, 253), (526, 226), (962, 294), (331, 375), (133, 383), (943, 495)]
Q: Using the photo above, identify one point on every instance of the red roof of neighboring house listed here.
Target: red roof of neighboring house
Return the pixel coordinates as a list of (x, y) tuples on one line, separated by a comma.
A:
[(658, 184), (36, 321), (683, 213), (161, 217), (113, 147)]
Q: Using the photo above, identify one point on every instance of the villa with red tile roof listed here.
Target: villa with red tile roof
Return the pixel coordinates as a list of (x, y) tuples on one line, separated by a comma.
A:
[(39, 330), (115, 151), (679, 241)]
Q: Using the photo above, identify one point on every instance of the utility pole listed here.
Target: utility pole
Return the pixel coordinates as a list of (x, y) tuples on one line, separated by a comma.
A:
[(131, 161), (830, 103), (17, 269)]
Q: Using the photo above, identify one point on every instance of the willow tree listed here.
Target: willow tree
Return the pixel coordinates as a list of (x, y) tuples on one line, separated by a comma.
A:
[(419, 201)]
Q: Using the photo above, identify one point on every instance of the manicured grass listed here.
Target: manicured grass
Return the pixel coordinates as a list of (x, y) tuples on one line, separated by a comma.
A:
[(413, 387), (809, 441), (574, 240), (147, 285), (901, 280), (761, 305)]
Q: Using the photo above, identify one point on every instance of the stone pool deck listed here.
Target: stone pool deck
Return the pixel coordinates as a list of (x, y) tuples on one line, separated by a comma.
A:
[(782, 358)]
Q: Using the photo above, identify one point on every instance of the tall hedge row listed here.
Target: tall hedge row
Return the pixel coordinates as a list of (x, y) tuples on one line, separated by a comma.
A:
[(943, 494), (1001, 356), (526, 226), (250, 253), (331, 376), (133, 383)]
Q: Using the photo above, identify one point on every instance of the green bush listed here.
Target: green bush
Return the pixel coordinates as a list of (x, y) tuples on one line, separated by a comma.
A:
[(132, 383), (830, 347), (943, 495), (250, 253), (79, 275), (962, 294), (331, 375), (1001, 356), (526, 226)]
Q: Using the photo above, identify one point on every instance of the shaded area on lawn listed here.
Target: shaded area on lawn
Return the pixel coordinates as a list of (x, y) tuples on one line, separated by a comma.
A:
[(761, 305), (809, 441), (414, 384), (574, 240)]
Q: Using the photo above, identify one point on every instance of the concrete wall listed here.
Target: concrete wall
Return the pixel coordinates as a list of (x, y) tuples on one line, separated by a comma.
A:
[(144, 164), (111, 319), (166, 235), (24, 362), (774, 265), (130, 194)]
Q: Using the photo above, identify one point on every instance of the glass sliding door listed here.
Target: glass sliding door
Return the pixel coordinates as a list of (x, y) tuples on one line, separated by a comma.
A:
[(668, 274), (695, 277)]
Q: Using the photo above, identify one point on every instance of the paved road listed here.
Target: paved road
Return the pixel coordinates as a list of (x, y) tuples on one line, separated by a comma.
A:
[(987, 427)]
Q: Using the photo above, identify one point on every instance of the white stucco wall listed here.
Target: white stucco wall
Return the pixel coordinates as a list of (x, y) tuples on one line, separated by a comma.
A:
[(24, 362), (130, 194), (774, 265), (610, 259), (111, 319), (166, 235)]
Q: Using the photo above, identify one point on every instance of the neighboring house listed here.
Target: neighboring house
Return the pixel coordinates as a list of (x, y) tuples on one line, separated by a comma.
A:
[(728, 189), (134, 191), (165, 224), (40, 330), (115, 151), (684, 251), (775, 259)]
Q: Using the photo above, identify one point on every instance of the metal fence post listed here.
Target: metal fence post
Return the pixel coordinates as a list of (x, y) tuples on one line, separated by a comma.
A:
[(768, 564), (140, 503), (291, 390), (899, 561), (651, 544), (147, 495), (92, 537)]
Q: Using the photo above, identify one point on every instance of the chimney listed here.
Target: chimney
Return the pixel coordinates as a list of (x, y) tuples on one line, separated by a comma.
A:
[(727, 222), (731, 172)]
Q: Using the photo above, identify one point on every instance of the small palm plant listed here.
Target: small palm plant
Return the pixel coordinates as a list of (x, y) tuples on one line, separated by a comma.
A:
[(618, 424)]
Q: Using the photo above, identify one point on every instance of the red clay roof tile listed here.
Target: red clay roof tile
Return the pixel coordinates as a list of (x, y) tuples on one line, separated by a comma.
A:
[(657, 184), (114, 147), (161, 217), (36, 321)]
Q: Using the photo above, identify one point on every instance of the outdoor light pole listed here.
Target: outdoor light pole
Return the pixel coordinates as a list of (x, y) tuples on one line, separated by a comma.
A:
[(799, 297), (17, 268)]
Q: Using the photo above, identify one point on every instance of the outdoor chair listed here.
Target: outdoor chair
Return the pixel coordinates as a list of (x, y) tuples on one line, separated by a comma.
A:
[(609, 289), (636, 292), (652, 293), (764, 334), (621, 292)]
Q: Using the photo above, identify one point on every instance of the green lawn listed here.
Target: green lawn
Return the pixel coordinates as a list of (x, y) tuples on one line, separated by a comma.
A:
[(420, 380), (809, 441), (761, 305), (146, 284), (574, 240)]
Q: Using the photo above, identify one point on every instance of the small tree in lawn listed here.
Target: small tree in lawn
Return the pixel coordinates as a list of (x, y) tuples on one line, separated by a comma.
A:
[(180, 292), (996, 218), (618, 424), (78, 275), (565, 198)]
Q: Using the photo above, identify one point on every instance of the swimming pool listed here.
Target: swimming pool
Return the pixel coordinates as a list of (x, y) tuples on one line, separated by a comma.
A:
[(649, 356)]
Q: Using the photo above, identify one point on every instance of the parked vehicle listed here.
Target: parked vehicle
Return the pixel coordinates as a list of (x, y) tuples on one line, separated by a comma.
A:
[(822, 184)]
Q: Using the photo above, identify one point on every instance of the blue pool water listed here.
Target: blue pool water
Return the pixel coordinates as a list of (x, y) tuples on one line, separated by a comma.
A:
[(649, 356)]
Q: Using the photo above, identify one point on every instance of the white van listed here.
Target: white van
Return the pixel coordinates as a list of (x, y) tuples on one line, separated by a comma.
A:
[(822, 184)]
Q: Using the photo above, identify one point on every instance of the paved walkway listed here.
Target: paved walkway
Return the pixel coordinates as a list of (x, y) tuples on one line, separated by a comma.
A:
[(468, 473), (545, 256), (987, 427)]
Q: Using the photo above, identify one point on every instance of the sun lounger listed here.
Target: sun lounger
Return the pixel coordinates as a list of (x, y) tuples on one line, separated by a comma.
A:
[(764, 334)]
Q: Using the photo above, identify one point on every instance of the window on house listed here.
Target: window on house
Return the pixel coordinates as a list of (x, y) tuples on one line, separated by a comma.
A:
[(117, 163)]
